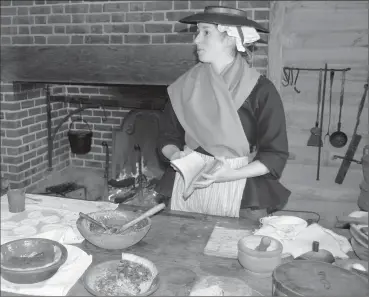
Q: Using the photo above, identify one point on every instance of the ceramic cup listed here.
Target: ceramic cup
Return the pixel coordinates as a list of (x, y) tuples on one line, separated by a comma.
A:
[(17, 200)]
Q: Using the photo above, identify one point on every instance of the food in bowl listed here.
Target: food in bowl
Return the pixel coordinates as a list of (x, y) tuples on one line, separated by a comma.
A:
[(31, 260), (132, 275), (108, 239), (116, 223)]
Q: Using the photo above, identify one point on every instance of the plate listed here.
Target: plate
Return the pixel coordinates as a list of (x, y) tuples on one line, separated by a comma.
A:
[(104, 270)]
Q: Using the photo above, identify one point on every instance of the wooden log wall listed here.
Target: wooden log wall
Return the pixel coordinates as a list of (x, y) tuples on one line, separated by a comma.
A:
[(310, 34)]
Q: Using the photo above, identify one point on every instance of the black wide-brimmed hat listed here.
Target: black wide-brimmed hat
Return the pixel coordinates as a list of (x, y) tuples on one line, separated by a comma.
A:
[(223, 16)]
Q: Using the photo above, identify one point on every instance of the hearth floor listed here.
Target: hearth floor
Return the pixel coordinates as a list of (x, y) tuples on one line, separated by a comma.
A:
[(325, 197)]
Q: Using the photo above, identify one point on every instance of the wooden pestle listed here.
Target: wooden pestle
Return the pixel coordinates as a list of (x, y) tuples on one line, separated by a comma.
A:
[(146, 214), (264, 244)]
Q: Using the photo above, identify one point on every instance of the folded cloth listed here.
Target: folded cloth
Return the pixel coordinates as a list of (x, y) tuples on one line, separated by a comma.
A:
[(283, 227), (61, 282), (301, 240)]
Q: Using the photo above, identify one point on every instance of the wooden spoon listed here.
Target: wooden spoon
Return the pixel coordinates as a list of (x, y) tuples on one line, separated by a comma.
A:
[(146, 214)]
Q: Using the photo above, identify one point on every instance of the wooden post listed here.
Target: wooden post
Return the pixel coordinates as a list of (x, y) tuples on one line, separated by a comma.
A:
[(275, 48)]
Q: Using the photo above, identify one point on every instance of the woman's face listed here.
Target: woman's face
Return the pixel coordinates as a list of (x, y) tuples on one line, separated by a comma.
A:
[(211, 44)]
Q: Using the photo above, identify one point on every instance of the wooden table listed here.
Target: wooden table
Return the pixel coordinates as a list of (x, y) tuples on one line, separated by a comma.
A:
[(175, 243)]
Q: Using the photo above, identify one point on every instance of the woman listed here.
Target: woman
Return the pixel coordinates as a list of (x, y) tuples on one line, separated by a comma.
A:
[(223, 108)]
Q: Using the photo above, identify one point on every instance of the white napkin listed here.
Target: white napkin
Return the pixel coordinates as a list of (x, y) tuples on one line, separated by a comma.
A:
[(301, 241), (61, 282)]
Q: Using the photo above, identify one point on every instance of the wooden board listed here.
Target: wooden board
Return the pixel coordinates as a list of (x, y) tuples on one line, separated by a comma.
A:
[(223, 242), (302, 19), (333, 40), (352, 55), (118, 64)]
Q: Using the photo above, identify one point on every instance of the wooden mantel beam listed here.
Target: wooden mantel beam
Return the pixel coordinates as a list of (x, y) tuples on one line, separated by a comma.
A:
[(97, 64)]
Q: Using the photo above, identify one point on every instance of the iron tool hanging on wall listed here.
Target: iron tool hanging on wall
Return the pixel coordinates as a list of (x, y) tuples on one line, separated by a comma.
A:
[(355, 140), (288, 79), (321, 120), (331, 79), (339, 139), (106, 172), (315, 138)]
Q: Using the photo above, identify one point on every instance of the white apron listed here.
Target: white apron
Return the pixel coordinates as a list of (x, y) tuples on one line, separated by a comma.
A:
[(220, 199)]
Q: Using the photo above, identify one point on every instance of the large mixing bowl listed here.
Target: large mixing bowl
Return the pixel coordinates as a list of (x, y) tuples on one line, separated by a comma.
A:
[(113, 241), (31, 260)]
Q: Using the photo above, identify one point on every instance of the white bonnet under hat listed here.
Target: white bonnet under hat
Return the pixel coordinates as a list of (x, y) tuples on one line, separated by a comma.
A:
[(244, 35)]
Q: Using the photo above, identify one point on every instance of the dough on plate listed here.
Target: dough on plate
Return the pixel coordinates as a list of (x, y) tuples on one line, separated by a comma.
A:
[(30, 222), (9, 225), (50, 227), (25, 230), (35, 214), (51, 219)]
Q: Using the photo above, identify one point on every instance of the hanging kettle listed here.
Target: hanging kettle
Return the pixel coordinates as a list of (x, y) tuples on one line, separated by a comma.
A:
[(80, 140)]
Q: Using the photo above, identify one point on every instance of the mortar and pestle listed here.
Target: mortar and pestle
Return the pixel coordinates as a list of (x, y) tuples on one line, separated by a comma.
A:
[(259, 255), (317, 254)]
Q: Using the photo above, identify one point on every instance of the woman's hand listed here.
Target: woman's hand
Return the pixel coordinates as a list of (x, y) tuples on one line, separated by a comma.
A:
[(180, 154), (223, 174), (177, 155)]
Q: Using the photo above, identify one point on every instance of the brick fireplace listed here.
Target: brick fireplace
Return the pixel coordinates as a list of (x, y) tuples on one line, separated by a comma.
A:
[(51, 27)]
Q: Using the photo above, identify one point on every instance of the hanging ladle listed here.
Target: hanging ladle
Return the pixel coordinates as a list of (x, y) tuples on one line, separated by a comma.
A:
[(338, 139), (330, 103)]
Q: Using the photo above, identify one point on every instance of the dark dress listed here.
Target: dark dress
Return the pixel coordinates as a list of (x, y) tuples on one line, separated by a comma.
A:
[(263, 120)]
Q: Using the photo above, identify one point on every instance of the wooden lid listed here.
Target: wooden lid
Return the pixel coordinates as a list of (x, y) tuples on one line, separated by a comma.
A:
[(312, 278)]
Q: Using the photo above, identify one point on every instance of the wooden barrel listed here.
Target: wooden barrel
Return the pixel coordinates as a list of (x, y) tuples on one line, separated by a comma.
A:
[(312, 278)]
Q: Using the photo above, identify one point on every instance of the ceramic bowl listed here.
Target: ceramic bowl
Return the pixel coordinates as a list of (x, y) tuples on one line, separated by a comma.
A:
[(361, 251), (105, 240), (260, 263), (31, 260), (101, 279)]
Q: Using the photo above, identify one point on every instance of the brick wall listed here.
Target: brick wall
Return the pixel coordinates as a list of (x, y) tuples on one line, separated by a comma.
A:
[(24, 134), (44, 22)]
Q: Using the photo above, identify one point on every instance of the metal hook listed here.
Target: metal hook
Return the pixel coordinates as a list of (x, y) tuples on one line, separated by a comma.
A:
[(294, 84), (80, 111), (105, 117), (286, 77)]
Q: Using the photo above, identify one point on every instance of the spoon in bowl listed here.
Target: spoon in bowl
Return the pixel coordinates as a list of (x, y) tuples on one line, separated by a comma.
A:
[(87, 217)]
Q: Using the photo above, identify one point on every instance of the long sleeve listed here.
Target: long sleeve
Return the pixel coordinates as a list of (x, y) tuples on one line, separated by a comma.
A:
[(170, 130), (270, 139), (272, 143)]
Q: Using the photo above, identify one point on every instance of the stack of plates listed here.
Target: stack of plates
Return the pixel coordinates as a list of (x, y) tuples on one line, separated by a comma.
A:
[(359, 240)]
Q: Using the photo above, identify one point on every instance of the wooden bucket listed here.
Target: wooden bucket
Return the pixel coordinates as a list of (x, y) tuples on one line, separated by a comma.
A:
[(312, 278)]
